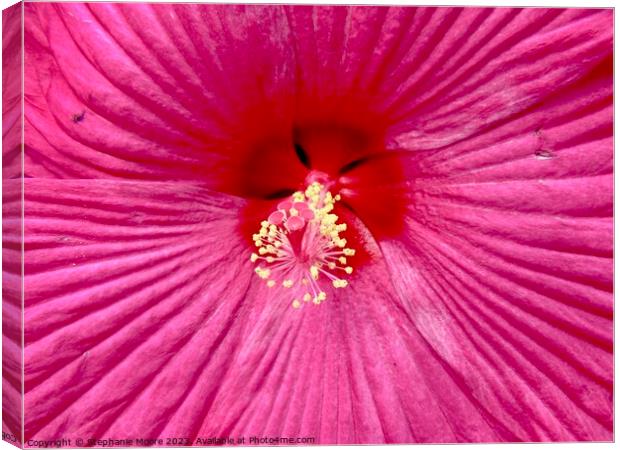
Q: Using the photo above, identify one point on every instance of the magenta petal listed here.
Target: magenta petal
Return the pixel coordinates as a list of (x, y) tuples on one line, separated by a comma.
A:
[(12, 79), (125, 283), (506, 264), (490, 76), (342, 372), (102, 103), (12, 361), (12, 418)]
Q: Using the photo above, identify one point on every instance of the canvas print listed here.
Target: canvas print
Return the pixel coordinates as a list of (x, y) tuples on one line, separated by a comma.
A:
[(233, 225)]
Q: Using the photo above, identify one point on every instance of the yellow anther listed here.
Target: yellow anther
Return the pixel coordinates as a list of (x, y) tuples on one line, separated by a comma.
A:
[(314, 271), (330, 218), (340, 283), (325, 255), (263, 273)]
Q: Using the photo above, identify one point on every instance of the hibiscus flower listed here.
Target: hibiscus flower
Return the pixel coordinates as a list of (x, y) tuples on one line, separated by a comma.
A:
[(352, 224)]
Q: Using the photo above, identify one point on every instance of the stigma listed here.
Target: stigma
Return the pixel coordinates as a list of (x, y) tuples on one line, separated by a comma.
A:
[(300, 247)]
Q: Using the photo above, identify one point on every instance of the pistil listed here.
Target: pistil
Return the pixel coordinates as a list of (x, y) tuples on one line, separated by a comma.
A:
[(299, 246)]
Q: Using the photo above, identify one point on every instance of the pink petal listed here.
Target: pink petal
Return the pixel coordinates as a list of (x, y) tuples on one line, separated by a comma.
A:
[(491, 76), (436, 75), (126, 283), (149, 111), (440, 75), (11, 92), (506, 263), (352, 370), (12, 361)]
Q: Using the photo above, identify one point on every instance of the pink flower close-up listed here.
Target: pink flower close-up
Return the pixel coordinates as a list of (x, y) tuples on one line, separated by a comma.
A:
[(348, 224)]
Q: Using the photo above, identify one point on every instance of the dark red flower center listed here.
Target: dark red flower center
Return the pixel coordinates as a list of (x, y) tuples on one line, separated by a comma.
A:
[(340, 143)]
